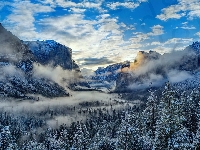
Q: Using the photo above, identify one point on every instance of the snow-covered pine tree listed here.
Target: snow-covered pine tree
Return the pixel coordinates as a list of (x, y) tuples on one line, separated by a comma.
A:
[(149, 117), (197, 135), (81, 138), (182, 140), (125, 137), (191, 114), (52, 140), (101, 139), (170, 119), (64, 138), (33, 145), (5, 138)]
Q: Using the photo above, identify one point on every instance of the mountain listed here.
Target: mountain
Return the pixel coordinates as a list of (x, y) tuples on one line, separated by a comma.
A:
[(20, 61), (151, 69), (53, 54)]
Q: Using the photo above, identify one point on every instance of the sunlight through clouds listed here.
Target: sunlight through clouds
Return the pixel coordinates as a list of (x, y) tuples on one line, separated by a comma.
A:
[(98, 28)]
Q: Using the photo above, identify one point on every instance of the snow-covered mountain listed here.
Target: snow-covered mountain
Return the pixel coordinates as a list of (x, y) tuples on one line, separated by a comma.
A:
[(24, 66), (52, 54), (151, 69), (49, 51)]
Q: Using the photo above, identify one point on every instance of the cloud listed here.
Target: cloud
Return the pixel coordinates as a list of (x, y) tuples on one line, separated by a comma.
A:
[(156, 30), (87, 38), (126, 4), (21, 20), (77, 10), (184, 8), (10, 70), (139, 37), (95, 61), (56, 74), (154, 72), (116, 5), (198, 34), (87, 72), (178, 76), (188, 28), (77, 5), (151, 80)]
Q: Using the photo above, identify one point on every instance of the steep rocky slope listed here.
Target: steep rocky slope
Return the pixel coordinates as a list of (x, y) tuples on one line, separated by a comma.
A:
[(17, 59), (52, 54), (151, 69)]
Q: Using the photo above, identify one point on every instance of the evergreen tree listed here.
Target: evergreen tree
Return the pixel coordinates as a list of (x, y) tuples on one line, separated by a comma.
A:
[(125, 137), (182, 140), (5, 138), (101, 139), (170, 118), (191, 114), (150, 116), (197, 135), (81, 138)]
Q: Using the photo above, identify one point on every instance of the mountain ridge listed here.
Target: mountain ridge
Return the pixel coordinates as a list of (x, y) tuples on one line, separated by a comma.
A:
[(150, 69), (18, 63)]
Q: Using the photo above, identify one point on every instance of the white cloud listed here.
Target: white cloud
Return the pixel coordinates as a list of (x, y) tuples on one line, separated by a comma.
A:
[(77, 10), (178, 76), (88, 39), (156, 43), (21, 21), (183, 8), (188, 28), (116, 5), (184, 23), (198, 33), (140, 37), (2, 4), (156, 30)]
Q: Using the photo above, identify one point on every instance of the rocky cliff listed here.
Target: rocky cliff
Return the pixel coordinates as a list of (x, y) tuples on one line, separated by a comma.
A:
[(17, 59)]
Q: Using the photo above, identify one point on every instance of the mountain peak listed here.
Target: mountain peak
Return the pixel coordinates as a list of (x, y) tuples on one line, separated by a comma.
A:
[(196, 47)]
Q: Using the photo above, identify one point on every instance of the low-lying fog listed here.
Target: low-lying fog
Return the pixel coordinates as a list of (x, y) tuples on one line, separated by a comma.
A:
[(63, 110)]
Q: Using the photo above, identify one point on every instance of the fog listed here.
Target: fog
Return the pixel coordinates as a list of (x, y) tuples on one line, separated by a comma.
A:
[(33, 108), (56, 74), (165, 68)]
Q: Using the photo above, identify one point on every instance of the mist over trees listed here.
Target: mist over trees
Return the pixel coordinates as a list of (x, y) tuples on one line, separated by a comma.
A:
[(169, 121)]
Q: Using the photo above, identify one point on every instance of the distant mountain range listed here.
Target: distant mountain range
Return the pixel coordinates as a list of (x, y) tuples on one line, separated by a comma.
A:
[(23, 65), (47, 68), (150, 69)]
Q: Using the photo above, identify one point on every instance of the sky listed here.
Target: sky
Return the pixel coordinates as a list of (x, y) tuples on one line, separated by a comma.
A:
[(103, 32)]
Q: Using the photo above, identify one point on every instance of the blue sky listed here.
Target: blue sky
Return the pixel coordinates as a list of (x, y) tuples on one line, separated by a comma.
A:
[(102, 32)]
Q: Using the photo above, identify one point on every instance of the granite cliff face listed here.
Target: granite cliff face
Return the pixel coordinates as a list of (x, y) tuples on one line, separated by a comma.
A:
[(151, 69), (51, 52), (17, 61)]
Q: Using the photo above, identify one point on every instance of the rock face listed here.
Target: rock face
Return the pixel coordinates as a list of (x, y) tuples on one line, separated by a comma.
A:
[(105, 78), (16, 63), (150, 68), (54, 54), (51, 52)]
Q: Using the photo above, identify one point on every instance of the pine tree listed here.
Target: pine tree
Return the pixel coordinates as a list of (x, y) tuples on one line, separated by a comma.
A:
[(191, 114), (125, 137), (170, 118), (182, 140), (149, 116), (5, 138), (101, 139), (81, 138), (64, 138), (33, 145), (197, 135)]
